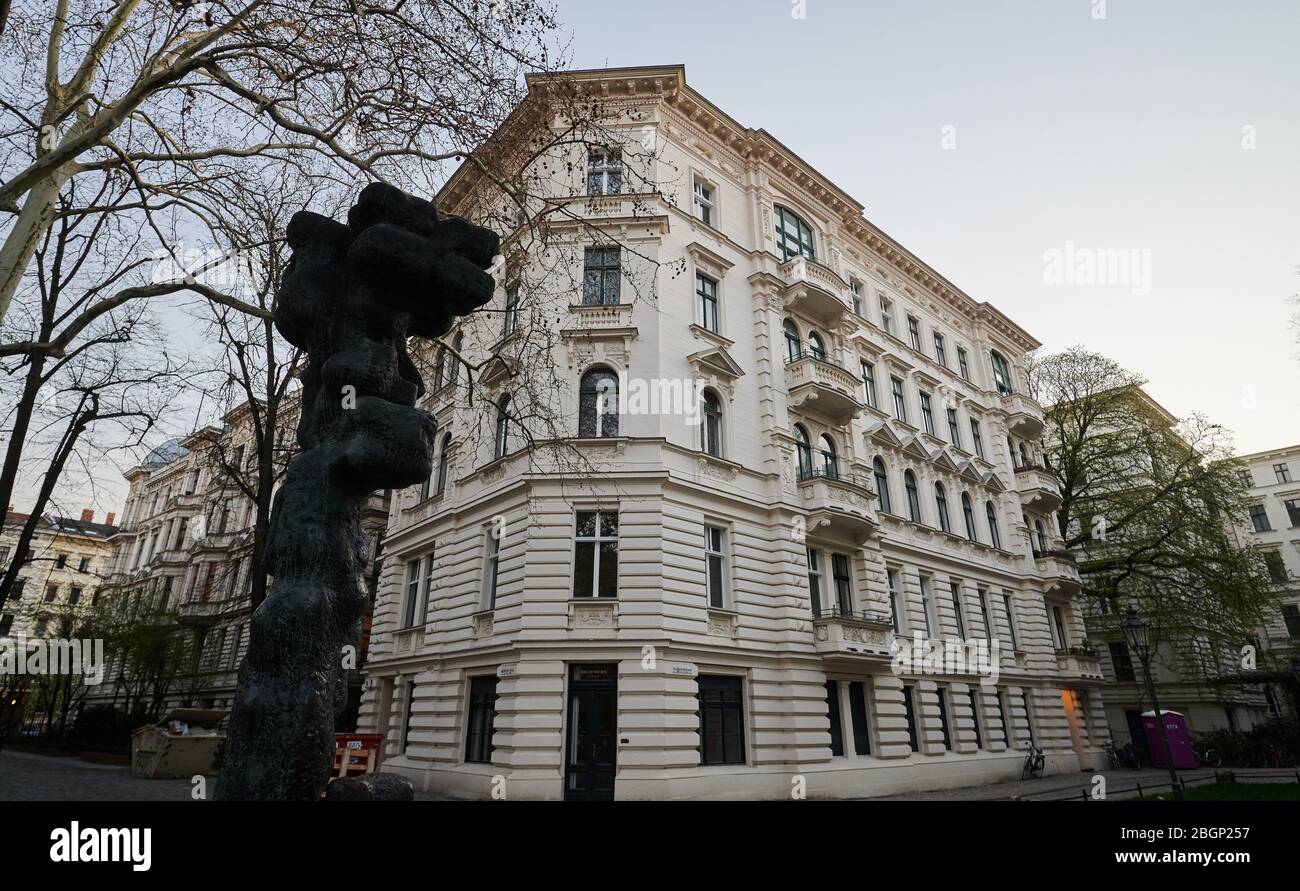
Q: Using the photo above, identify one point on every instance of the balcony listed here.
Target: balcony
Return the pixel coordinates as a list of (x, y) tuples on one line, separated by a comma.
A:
[(1039, 488), (201, 612), (1060, 571), (1079, 663), (813, 290), (850, 638), (839, 505), (1024, 416), (820, 386)]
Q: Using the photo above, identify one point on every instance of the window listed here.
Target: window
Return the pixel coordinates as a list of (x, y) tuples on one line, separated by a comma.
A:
[(975, 718), (927, 413), (722, 719), (815, 581), (1291, 616), (914, 332), (927, 607), (706, 292), (502, 440), (837, 722), (855, 287), (1041, 536), (983, 597), (900, 404), (604, 171), (869, 383), (482, 715), (1001, 373), (858, 714), (954, 430), (458, 350), (412, 597), (941, 505), (600, 276), (1259, 518), (895, 599), (976, 438), (711, 430), (51, 592), (995, 534), (704, 204), (940, 354), (1002, 718), (6, 622), (830, 460), (882, 485), (61, 561), (74, 595), (963, 365), (1273, 559), (1282, 472), (941, 698), (715, 555), (887, 316), (843, 584), (968, 513), (1292, 513), (794, 237), (426, 488), (1029, 715), (1122, 662), (909, 712), (511, 317), (596, 554), (598, 404), (955, 587), (444, 463), (793, 344), (815, 346), (913, 498), (803, 450), (439, 369), (491, 565)]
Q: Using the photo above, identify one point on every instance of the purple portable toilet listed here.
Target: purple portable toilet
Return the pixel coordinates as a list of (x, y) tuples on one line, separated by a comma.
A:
[(1180, 740)]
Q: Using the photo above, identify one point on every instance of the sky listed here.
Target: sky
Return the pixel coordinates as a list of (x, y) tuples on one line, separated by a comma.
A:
[(985, 135)]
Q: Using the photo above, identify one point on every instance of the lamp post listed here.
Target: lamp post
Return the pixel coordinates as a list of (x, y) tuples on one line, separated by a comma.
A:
[(1138, 635)]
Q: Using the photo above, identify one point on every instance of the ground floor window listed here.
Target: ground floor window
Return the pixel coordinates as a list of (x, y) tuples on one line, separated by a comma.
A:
[(482, 714), (975, 718), (837, 723), (722, 720), (909, 711), (858, 712), (941, 696)]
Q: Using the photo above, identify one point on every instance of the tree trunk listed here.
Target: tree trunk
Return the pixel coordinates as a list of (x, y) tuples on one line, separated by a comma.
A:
[(20, 246), (18, 435)]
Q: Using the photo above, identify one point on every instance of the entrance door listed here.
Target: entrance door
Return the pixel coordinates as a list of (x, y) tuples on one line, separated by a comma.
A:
[(592, 746), (1137, 733)]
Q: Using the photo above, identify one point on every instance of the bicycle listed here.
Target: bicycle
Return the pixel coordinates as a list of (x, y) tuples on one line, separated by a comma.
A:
[(1122, 757), (1035, 761), (1205, 755)]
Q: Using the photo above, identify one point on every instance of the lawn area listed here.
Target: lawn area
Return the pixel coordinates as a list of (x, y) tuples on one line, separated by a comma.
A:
[(1236, 792)]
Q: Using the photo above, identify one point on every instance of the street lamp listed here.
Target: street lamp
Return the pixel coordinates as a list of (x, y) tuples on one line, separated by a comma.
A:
[(1138, 635)]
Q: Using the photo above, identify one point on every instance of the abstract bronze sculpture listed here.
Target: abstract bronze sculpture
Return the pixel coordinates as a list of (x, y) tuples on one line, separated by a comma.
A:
[(350, 297)]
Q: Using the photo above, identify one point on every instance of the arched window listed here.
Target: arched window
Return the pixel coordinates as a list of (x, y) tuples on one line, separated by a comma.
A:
[(995, 534), (711, 430), (941, 505), (1001, 373), (968, 512), (598, 403), (458, 345), (830, 460), (913, 497), (440, 369), (794, 237), (502, 440), (1041, 536), (1024, 456), (444, 463), (815, 345), (882, 485), (804, 449), (793, 347)]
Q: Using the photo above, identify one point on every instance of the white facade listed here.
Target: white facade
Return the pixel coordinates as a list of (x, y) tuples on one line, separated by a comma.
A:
[(752, 647)]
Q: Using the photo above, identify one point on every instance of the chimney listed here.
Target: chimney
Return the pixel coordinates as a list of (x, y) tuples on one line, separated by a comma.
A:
[(87, 516), (111, 517)]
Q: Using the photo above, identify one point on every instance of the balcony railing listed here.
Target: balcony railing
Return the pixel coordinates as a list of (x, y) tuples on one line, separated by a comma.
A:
[(818, 384), (850, 636)]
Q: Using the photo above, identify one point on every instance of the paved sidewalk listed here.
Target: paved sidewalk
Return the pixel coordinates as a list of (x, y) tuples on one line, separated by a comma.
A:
[(1121, 783), (25, 776)]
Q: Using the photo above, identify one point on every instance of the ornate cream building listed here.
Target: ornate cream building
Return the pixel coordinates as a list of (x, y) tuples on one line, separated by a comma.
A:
[(703, 603), (66, 563)]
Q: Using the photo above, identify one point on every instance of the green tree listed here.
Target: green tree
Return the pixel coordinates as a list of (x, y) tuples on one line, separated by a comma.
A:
[(1149, 508)]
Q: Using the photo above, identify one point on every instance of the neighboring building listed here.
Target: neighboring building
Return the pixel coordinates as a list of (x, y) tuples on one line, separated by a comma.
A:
[(1274, 524), (707, 610), (1180, 669), (66, 563), (185, 546)]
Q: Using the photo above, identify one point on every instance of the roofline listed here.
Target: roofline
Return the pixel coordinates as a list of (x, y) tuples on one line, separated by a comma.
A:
[(1271, 453)]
